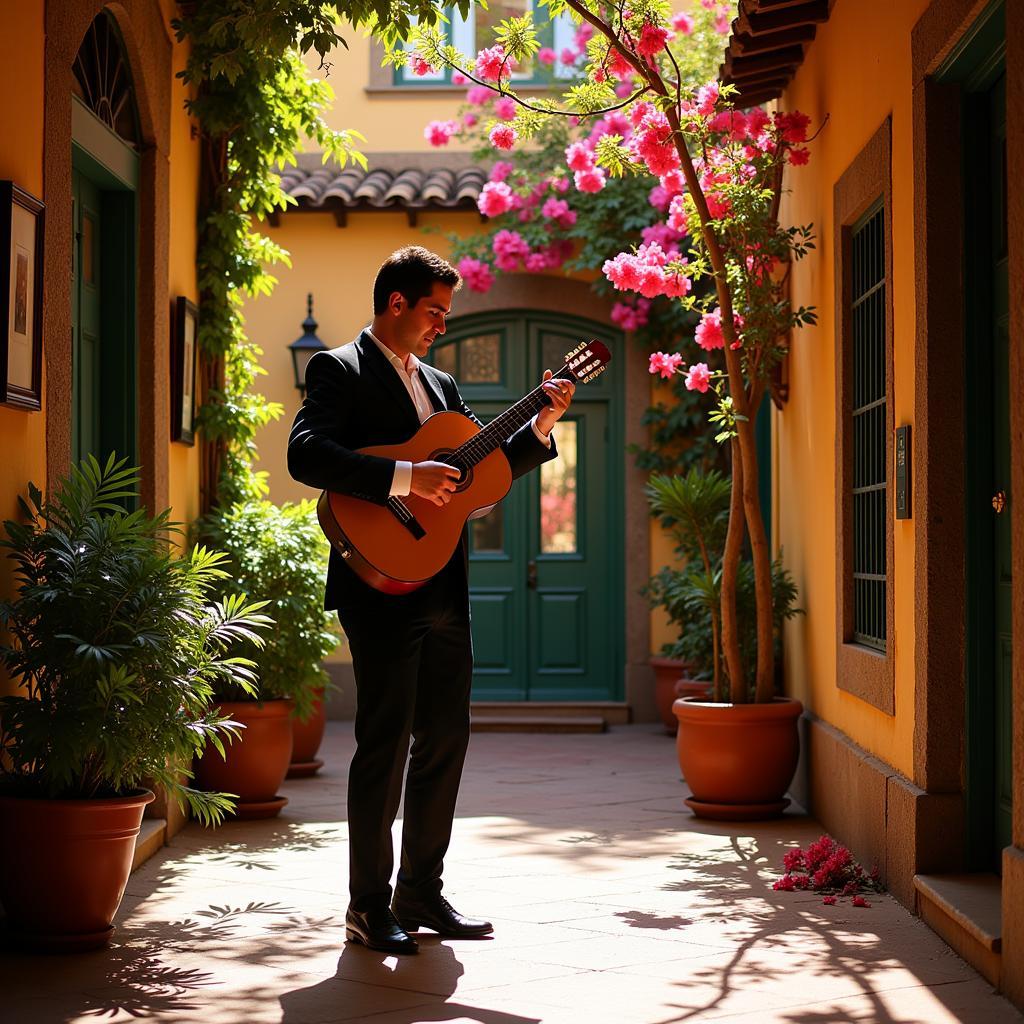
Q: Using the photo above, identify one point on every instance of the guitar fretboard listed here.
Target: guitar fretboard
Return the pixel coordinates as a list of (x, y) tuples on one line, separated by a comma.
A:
[(502, 427)]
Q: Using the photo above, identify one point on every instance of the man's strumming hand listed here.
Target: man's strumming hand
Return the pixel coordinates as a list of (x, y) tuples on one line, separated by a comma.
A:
[(560, 394), (434, 481)]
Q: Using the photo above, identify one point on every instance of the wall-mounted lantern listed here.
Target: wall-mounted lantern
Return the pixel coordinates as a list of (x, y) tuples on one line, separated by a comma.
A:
[(305, 347)]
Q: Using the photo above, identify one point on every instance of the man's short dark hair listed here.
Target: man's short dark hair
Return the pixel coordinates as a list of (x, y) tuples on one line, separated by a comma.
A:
[(411, 271)]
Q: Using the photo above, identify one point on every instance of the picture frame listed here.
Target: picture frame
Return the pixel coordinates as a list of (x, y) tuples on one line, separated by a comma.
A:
[(184, 341), (21, 298)]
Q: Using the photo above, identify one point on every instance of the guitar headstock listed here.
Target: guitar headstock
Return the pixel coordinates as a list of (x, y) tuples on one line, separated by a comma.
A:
[(588, 360)]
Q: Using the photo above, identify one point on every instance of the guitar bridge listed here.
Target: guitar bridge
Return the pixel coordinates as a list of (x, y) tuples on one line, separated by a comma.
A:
[(404, 515)]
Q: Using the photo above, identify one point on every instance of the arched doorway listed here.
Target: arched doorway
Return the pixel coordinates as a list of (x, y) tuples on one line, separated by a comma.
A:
[(104, 183), (546, 565)]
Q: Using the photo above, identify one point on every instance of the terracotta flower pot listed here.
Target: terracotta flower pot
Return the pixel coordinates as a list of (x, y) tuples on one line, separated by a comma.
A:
[(667, 672), (306, 739), (64, 865), (257, 760), (738, 759)]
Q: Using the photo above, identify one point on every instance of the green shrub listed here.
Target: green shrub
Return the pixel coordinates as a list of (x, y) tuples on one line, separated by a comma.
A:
[(279, 554), (118, 646)]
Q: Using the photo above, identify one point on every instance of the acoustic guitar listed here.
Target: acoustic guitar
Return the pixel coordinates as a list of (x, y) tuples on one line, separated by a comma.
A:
[(398, 546)]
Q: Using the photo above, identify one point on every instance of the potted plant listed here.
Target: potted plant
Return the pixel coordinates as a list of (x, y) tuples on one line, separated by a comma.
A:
[(694, 508), (117, 647), (719, 172), (279, 553)]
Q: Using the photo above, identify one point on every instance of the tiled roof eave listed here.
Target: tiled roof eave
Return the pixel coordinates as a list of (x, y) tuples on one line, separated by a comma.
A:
[(768, 44)]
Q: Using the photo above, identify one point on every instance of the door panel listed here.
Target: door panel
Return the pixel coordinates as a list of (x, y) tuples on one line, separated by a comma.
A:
[(544, 563)]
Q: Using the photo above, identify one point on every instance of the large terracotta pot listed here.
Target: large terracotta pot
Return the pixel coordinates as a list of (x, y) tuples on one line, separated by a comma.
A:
[(306, 739), (64, 865), (257, 760), (738, 759), (667, 672)]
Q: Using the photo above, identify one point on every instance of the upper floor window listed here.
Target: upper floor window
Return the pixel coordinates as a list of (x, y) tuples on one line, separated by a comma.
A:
[(476, 31)]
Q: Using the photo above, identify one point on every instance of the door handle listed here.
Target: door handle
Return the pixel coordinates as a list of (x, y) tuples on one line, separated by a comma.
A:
[(531, 575)]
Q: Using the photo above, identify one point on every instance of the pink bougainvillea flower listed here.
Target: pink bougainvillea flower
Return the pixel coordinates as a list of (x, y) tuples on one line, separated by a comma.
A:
[(558, 211), (546, 55), (799, 155), (664, 363), (469, 119), (829, 901), (568, 57), (707, 97), (503, 136), (630, 317), (652, 39), (698, 378), (501, 170), (794, 858), (438, 133), (476, 274), (592, 180), (422, 67), (732, 123), (673, 182), (683, 23), (458, 78), (859, 901), (479, 95), (659, 198), (785, 883), (677, 215), (578, 157), (505, 108), (792, 126), (495, 199), (722, 24), (510, 248), (709, 336), (491, 64), (617, 65), (536, 262)]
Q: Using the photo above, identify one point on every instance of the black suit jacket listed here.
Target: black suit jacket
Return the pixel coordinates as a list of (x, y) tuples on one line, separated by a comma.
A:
[(354, 399)]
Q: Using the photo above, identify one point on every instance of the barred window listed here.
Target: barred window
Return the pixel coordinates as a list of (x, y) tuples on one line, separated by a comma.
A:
[(869, 388)]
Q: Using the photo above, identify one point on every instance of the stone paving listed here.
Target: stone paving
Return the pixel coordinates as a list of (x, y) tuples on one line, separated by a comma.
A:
[(611, 905)]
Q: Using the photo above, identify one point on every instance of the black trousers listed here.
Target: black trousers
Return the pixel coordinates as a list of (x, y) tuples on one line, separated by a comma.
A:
[(413, 663)]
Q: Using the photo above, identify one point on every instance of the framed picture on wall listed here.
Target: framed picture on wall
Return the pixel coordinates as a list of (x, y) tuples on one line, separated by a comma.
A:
[(183, 371), (21, 297)]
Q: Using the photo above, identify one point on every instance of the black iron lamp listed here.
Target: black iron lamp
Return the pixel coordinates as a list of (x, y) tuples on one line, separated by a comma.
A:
[(305, 347)]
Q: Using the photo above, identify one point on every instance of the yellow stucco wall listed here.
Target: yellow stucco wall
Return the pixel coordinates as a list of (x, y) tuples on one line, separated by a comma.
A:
[(183, 461), (857, 73), (22, 434)]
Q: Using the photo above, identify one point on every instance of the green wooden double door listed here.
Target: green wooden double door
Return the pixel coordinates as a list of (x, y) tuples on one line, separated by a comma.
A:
[(546, 563)]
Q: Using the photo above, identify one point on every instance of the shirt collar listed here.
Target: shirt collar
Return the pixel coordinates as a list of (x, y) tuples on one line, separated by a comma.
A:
[(395, 360)]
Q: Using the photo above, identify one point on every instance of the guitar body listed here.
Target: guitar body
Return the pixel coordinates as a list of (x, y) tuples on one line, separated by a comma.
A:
[(378, 546)]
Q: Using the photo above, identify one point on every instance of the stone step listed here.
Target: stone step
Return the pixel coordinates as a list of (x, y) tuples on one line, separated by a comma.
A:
[(537, 723), (152, 837), (966, 910), (613, 712)]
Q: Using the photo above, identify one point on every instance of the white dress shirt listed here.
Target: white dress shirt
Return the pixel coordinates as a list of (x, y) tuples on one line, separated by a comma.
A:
[(409, 374)]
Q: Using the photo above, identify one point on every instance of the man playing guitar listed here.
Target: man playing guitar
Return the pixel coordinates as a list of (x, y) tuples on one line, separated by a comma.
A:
[(411, 652)]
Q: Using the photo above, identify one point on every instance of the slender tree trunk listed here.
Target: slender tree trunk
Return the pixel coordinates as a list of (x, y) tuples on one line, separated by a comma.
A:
[(730, 573)]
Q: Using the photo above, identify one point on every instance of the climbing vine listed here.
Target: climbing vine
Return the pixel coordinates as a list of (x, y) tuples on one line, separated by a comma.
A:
[(254, 102)]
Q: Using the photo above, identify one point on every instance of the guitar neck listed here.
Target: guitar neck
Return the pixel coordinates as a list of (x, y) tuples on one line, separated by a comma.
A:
[(502, 427)]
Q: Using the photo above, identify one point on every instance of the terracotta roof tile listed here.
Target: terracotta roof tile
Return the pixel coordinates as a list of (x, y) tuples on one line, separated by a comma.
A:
[(417, 182)]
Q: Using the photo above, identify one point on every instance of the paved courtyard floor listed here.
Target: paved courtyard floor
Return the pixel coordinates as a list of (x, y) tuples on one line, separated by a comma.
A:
[(611, 905)]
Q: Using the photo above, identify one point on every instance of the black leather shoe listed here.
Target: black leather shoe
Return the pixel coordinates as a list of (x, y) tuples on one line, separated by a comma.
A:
[(437, 913), (378, 929)]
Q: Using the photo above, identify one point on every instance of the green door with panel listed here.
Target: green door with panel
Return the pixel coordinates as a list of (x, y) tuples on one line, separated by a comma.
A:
[(980, 68), (546, 563)]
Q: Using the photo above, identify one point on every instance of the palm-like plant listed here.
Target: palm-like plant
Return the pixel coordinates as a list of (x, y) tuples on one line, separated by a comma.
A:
[(117, 647)]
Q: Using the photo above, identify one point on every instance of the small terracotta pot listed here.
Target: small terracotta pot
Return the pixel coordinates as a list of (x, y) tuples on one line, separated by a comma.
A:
[(738, 759), (64, 865), (256, 760), (306, 739), (667, 672)]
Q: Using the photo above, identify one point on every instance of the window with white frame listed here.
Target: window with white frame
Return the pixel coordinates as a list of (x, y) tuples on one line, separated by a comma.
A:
[(476, 31)]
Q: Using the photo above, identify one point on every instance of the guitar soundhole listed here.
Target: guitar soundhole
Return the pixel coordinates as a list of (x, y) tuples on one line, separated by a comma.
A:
[(465, 473)]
